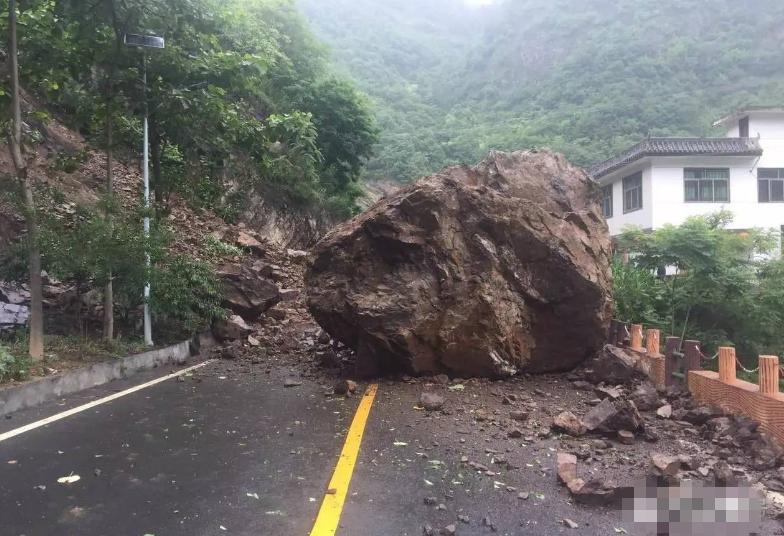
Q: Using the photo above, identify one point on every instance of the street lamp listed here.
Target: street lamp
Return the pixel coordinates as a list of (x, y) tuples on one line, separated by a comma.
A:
[(144, 42)]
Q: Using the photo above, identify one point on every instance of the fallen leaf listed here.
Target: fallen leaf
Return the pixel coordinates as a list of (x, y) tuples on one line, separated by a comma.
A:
[(400, 444), (456, 387), (70, 479), (620, 530), (253, 495)]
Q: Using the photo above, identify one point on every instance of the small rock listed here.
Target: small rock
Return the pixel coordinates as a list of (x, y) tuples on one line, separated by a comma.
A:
[(296, 253), (664, 465), (609, 417), (523, 495), (291, 382), (595, 492), (569, 523), (430, 501), (323, 337), (626, 437), (289, 294), (519, 415), (568, 422), (566, 465), (515, 433), (449, 530), (664, 412), (487, 522), (700, 415), (723, 475), (253, 341), (645, 397), (431, 401), (464, 519), (345, 387), (608, 392), (582, 385)]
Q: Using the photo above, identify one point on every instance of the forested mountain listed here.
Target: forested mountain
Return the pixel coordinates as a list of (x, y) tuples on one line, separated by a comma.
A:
[(586, 77)]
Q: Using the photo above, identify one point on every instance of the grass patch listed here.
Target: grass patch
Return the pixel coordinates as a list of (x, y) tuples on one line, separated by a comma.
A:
[(61, 353)]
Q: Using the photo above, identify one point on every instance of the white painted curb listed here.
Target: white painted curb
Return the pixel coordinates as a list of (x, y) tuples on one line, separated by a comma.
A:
[(39, 391)]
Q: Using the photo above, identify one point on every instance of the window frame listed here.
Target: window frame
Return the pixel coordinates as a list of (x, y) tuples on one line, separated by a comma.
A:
[(627, 189), (605, 189), (770, 180), (700, 179)]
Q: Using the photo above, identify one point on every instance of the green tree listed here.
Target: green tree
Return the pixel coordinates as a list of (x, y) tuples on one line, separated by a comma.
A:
[(712, 284)]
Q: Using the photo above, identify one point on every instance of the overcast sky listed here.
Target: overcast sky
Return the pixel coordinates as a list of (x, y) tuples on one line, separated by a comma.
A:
[(475, 3)]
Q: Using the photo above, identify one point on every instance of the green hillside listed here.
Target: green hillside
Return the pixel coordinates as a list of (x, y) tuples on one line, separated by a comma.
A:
[(585, 77)]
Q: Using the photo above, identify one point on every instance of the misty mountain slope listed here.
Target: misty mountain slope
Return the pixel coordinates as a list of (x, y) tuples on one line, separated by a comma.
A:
[(586, 77)]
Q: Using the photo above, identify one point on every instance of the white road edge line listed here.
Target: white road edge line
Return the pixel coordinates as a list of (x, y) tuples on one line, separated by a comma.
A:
[(115, 396)]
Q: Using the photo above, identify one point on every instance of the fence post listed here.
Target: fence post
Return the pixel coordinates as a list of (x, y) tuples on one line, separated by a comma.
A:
[(652, 341), (671, 345), (727, 365), (691, 351), (636, 337), (769, 374)]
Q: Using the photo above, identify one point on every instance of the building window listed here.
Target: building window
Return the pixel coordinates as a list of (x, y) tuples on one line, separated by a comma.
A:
[(705, 185), (632, 192), (607, 201), (743, 127), (770, 184)]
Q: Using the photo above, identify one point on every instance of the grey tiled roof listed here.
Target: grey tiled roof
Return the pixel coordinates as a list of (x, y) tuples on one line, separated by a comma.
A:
[(678, 147)]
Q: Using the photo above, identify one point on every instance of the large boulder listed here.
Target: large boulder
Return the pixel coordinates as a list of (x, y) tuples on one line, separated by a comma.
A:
[(245, 292), (483, 271)]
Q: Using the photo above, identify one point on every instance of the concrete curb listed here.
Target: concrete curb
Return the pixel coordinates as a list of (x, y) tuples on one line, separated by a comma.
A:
[(39, 391)]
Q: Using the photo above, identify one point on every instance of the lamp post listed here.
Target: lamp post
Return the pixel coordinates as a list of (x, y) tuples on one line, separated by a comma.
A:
[(144, 42)]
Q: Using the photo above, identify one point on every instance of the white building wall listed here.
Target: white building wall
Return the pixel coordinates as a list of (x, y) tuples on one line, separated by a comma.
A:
[(770, 129), (671, 207), (642, 218)]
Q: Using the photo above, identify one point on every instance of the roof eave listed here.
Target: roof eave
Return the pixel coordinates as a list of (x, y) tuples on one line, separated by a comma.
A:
[(641, 156)]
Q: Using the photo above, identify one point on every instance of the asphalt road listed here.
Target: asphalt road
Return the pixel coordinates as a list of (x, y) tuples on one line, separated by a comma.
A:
[(230, 450), (216, 454)]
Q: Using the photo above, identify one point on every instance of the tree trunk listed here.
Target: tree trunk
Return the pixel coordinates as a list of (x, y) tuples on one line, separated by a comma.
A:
[(36, 347), (108, 291)]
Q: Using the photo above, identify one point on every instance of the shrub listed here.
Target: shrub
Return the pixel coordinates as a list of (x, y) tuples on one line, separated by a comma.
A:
[(188, 292), (704, 281), (12, 367)]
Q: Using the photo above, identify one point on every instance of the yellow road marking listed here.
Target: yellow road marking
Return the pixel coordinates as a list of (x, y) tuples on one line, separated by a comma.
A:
[(78, 409), (329, 514)]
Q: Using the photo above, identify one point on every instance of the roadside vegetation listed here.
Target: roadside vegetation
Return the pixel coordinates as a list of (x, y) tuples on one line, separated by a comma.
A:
[(241, 100), (705, 282)]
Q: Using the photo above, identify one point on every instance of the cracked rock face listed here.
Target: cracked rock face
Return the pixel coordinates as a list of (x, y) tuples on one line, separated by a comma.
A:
[(475, 271)]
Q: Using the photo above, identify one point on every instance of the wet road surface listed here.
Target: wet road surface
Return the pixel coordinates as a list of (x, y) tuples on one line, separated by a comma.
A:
[(229, 450), (213, 454)]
